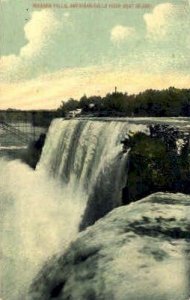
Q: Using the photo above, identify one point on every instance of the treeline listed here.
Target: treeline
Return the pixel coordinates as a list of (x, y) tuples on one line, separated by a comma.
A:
[(171, 102)]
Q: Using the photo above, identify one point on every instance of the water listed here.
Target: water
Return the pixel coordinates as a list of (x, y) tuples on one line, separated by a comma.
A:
[(87, 157), (81, 170), (39, 218)]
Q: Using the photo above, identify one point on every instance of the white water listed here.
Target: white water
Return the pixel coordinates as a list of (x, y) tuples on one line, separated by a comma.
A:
[(41, 210), (77, 150), (38, 217)]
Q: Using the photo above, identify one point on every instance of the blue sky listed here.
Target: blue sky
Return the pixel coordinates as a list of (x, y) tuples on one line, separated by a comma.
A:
[(50, 55)]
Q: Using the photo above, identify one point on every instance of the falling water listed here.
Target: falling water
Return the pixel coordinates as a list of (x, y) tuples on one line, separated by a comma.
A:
[(81, 171)]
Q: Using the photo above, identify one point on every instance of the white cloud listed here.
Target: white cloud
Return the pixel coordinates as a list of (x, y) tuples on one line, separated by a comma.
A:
[(158, 22), (39, 32), (169, 25), (121, 33)]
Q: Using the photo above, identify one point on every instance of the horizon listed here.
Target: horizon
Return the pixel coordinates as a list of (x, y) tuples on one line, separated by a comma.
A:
[(12, 109), (61, 53)]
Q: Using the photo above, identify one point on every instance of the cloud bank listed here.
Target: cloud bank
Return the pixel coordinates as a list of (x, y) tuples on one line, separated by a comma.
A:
[(48, 91)]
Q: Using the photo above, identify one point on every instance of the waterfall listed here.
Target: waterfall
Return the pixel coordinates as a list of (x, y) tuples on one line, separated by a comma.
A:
[(78, 179), (87, 157)]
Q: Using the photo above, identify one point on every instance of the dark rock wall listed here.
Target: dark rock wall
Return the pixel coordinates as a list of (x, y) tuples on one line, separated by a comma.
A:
[(157, 163)]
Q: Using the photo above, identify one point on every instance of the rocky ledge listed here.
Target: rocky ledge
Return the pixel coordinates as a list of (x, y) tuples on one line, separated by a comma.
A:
[(137, 252)]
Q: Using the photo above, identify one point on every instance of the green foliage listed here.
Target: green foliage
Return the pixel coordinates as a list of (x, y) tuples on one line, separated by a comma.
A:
[(166, 103), (150, 103), (65, 107)]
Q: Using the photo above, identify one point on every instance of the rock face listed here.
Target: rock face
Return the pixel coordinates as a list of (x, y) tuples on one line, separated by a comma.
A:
[(158, 162), (140, 251)]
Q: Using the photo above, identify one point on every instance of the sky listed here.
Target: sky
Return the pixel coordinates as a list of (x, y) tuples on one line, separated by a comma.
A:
[(51, 54)]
